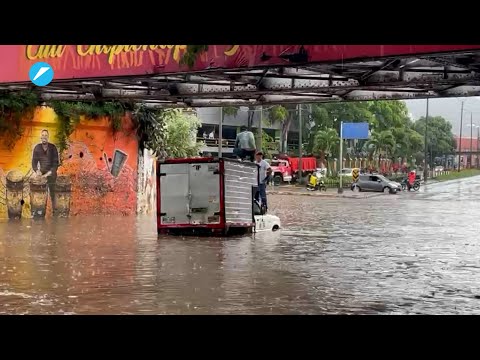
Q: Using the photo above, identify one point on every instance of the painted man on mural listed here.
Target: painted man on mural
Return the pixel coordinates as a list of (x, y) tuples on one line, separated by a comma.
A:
[(45, 163)]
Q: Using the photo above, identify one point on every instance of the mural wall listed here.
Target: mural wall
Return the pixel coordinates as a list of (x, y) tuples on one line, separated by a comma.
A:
[(146, 192), (97, 174)]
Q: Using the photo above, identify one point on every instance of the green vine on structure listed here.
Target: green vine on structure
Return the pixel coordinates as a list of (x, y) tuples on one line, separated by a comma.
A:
[(191, 54), (70, 113), (14, 107)]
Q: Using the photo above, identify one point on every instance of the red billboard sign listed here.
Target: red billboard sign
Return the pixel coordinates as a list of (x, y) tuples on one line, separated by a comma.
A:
[(97, 61)]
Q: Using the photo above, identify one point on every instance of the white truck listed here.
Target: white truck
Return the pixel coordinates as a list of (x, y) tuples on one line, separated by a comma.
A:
[(209, 196)]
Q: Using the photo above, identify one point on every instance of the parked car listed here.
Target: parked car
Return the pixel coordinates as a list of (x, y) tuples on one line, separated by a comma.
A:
[(376, 183), (346, 172), (439, 168)]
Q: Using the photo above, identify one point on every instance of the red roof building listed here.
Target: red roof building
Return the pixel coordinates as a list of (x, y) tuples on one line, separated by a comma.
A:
[(467, 144)]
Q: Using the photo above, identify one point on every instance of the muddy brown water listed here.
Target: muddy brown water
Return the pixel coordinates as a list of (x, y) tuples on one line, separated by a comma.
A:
[(411, 253)]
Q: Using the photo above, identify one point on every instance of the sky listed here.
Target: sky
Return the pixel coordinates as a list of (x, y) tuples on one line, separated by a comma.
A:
[(450, 109)]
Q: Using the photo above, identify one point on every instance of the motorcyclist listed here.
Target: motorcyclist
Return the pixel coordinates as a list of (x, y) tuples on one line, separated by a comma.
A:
[(411, 179)]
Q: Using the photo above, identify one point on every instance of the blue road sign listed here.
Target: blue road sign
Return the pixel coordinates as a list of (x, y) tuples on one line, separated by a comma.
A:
[(41, 74), (355, 130)]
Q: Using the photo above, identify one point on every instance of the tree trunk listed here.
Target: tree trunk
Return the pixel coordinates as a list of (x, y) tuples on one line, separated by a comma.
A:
[(285, 129), (322, 159), (251, 113)]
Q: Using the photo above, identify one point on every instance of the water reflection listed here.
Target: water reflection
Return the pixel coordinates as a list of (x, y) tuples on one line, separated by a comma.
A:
[(412, 253)]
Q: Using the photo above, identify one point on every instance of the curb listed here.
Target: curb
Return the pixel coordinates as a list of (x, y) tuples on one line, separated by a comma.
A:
[(318, 194)]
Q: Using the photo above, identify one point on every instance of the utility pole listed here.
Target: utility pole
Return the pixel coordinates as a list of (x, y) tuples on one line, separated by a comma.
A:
[(260, 129), (460, 139), (340, 184), (300, 147), (220, 130), (478, 139), (471, 140), (425, 167)]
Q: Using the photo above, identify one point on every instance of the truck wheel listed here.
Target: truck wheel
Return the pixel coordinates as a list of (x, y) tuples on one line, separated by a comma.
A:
[(277, 180)]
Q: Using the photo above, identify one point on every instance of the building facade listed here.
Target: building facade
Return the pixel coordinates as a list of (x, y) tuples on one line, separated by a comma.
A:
[(210, 118), (469, 151)]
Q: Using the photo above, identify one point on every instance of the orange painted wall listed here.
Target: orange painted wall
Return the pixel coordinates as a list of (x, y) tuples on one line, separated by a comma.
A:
[(92, 146)]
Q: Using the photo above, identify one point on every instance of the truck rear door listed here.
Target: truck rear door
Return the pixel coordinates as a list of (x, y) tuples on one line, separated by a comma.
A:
[(204, 193), (189, 193), (174, 191)]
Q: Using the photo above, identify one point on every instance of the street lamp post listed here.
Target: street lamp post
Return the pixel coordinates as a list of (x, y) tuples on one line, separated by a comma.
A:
[(471, 140), (425, 168), (300, 145), (478, 140), (260, 130), (460, 139), (220, 133)]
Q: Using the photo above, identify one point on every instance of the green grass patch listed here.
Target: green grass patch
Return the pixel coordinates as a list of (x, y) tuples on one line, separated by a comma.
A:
[(458, 174)]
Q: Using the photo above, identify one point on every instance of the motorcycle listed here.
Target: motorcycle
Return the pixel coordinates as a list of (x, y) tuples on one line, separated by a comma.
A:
[(316, 183), (415, 186)]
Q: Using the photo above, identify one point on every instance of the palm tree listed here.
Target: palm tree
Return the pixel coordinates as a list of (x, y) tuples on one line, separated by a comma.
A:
[(325, 142), (402, 144), (283, 115), (381, 143)]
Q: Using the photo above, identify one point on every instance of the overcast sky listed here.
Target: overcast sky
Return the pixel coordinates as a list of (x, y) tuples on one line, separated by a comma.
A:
[(450, 109)]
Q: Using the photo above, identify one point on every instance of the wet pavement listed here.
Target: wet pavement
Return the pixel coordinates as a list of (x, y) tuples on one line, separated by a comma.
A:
[(411, 253)]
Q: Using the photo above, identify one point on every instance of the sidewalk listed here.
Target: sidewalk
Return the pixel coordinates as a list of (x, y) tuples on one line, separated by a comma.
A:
[(330, 193)]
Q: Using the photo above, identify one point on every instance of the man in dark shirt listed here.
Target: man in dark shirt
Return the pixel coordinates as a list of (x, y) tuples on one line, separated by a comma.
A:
[(45, 163)]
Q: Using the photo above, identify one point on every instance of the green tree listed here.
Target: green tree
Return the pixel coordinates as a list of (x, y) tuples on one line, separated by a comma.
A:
[(408, 142), (230, 111), (325, 143), (389, 114), (440, 140), (283, 115), (181, 133), (168, 133), (381, 143), (330, 115), (267, 145)]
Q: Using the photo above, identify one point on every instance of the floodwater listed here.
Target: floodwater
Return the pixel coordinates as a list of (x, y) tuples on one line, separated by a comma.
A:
[(411, 253)]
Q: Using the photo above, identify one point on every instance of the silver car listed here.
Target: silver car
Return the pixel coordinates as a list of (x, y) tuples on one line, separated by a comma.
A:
[(377, 183)]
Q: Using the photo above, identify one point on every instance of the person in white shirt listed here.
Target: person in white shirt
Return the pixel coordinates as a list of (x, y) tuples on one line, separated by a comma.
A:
[(264, 173), (245, 144)]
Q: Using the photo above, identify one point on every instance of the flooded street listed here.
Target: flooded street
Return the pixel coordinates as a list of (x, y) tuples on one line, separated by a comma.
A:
[(411, 253)]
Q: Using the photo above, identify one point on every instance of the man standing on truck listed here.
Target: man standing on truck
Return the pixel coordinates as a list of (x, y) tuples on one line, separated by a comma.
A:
[(245, 144), (264, 173)]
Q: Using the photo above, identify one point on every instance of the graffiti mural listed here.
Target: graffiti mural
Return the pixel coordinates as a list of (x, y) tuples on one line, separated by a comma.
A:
[(96, 174), (146, 193)]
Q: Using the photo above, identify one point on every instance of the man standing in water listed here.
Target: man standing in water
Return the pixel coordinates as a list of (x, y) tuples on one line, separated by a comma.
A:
[(45, 163), (264, 172)]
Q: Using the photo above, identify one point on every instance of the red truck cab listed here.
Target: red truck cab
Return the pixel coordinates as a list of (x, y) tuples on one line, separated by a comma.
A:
[(285, 169), (281, 171)]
